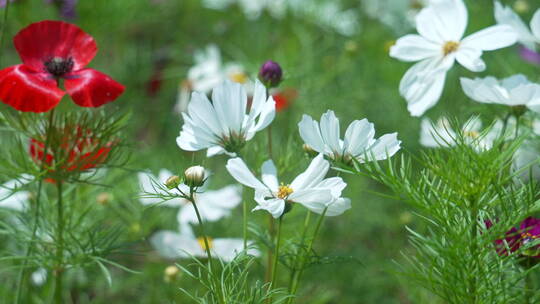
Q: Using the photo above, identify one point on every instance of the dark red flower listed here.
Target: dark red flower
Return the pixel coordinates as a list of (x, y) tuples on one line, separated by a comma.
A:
[(78, 151), (50, 51), (529, 231)]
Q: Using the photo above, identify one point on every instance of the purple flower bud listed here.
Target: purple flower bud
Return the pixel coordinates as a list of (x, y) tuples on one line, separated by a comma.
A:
[(529, 55), (270, 74)]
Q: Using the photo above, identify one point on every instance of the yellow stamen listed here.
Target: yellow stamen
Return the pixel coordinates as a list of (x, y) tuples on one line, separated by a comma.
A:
[(203, 245), (471, 134), (450, 47), (284, 191), (239, 77)]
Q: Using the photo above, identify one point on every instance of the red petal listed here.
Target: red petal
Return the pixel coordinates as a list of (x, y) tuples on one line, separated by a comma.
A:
[(91, 88), (28, 91), (42, 41)]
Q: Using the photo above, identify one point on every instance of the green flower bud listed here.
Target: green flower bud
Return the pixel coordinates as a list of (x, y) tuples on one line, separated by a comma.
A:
[(172, 182)]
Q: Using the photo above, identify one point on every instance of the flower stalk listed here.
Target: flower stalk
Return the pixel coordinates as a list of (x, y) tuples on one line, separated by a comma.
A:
[(60, 246)]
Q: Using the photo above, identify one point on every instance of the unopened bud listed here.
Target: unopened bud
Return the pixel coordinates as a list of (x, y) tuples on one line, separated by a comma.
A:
[(171, 273), (103, 198), (194, 176), (521, 6), (172, 182), (270, 74)]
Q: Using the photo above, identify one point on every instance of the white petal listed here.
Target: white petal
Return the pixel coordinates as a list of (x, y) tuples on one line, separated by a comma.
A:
[(505, 15), (442, 21), (313, 198), (173, 245), (358, 136), (238, 169), (439, 135), (422, 86), (338, 207), (491, 38), (386, 146), (228, 249), (267, 115), (215, 150), (470, 59), (414, 48), (269, 175), (227, 197), (230, 101), (311, 134), (313, 175), (535, 25), (335, 184), (330, 131), (274, 206), (202, 113), (258, 100)]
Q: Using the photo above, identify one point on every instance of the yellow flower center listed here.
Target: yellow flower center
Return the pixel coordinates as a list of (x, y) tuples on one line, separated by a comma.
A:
[(450, 47), (203, 244), (238, 77), (284, 191), (471, 134)]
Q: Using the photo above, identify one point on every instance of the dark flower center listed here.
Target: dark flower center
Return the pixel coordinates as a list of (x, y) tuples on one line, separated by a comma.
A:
[(59, 66)]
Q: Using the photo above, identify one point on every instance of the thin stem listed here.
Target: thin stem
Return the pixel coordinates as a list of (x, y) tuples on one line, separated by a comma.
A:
[(205, 239), (301, 246), (529, 284), (30, 247), (296, 281), (206, 244), (276, 252), (270, 258), (245, 223), (60, 248), (4, 24)]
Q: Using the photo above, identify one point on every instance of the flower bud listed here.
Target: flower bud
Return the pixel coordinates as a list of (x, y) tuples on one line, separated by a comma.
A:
[(270, 74), (172, 182), (521, 6), (103, 198), (171, 273), (194, 176)]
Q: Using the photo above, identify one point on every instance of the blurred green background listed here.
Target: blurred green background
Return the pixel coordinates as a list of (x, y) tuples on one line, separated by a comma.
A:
[(154, 40)]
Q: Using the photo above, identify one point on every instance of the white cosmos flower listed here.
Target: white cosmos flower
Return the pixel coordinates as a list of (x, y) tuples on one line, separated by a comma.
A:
[(10, 195), (225, 124), (358, 143), (530, 38), (39, 277), (174, 245), (441, 134), (399, 15), (209, 72), (212, 204), (516, 90), (440, 43), (310, 189)]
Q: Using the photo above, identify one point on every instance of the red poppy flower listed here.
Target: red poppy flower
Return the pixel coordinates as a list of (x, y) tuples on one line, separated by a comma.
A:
[(50, 51), (78, 151), (284, 98)]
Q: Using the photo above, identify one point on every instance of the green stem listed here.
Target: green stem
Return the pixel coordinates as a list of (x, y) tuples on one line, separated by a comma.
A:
[(529, 285), (245, 223), (300, 248), (4, 24), (60, 249), (276, 252), (296, 280), (270, 258), (205, 239), (30, 247)]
